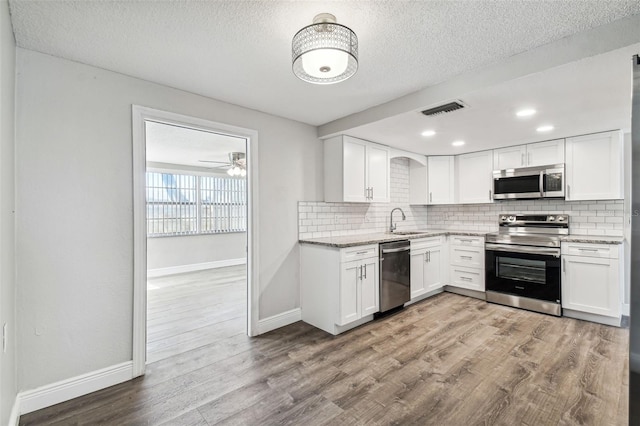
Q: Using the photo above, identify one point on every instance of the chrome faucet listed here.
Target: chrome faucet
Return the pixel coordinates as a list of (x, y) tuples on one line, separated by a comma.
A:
[(392, 227)]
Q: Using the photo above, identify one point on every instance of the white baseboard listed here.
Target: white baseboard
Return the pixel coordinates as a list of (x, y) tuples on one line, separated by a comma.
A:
[(14, 417), (280, 320), (181, 269), (634, 362), (626, 309), (74, 387)]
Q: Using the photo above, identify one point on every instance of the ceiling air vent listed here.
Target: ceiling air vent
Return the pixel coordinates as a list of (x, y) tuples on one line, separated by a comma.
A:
[(443, 109)]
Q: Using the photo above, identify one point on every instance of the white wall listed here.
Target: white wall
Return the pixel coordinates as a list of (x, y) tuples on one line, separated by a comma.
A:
[(8, 387), (166, 252), (75, 221)]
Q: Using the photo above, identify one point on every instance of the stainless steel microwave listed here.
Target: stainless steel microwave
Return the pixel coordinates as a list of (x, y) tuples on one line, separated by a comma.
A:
[(529, 182)]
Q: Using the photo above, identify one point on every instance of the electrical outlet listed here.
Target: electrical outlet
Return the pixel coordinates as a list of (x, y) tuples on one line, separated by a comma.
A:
[(4, 337)]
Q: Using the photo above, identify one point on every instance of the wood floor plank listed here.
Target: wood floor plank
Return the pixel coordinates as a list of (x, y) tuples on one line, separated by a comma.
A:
[(449, 360)]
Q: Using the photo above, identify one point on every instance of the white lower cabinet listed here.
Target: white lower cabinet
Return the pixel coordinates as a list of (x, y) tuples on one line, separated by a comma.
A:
[(339, 287), (466, 255), (358, 290), (429, 265), (591, 282)]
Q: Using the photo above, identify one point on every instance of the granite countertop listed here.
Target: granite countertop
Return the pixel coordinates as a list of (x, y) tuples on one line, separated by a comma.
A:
[(383, 237), (592, 239)]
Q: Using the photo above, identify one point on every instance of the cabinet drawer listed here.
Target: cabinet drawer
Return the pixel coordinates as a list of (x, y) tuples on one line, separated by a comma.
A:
[(472, 257), (358, 252), (470, 278), (459, 240), (606, 251), (425, 243)]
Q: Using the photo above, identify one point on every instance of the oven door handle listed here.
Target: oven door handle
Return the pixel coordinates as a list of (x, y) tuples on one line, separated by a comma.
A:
[(526, 250), (542, 173)]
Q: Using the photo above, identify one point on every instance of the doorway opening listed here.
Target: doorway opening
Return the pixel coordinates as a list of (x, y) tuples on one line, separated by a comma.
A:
[(193, 221)]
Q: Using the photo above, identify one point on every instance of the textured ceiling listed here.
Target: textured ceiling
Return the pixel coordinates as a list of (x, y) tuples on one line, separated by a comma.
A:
[(179, 145), (239, 51)]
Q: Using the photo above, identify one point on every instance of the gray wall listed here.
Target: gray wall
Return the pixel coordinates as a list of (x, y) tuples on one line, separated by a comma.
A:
[(165, 252), (75, 226), (8, 387)]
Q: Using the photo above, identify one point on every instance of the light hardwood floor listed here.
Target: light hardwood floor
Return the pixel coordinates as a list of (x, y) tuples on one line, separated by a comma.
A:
[(449, 360), (191, 310)]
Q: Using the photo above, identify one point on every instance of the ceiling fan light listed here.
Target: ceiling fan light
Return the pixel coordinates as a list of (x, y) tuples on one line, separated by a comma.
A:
[(324, 52), (230, 172)]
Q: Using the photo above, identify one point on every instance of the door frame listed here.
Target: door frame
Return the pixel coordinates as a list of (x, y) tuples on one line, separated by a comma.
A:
[(141, 114)]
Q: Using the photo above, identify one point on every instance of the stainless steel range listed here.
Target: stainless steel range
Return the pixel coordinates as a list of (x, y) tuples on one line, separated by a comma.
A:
[(522, 262)]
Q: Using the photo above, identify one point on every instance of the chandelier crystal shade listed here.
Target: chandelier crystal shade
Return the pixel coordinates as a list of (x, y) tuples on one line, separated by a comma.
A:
[(325, 52)]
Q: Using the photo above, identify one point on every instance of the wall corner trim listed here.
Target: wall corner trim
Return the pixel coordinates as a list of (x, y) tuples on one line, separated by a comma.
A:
[(64, 390), (279, 320), (14, 417)]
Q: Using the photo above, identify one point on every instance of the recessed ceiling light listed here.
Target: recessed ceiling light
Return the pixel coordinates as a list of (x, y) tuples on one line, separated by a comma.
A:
[(544, 128), (457, 143), (526, 112), (428, 133)]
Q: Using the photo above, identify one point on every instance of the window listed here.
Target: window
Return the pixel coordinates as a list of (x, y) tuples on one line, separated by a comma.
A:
[(183, 204)]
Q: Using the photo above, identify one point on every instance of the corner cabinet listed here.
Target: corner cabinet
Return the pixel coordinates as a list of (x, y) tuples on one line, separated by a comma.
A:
[(355, 170), (429, 266), (474, 177), (339, 287), (594, 167), (592, 282)]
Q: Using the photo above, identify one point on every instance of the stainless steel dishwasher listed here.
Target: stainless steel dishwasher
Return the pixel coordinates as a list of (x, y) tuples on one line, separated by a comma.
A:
[(395, 275)]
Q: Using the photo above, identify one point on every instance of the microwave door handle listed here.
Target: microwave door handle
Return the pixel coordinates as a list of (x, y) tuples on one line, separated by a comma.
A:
[(542, 184)]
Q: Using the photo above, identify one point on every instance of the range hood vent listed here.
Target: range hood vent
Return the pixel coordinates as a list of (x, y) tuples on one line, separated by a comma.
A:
[(443, 109)]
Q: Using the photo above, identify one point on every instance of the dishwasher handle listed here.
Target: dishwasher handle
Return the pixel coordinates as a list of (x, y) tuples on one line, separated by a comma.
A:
[(394, 250)]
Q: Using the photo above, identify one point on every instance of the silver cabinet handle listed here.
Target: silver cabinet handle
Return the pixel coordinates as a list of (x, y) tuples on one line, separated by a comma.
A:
[(365, 272), (466, 257), (425, 257), (429, 253), (360, 274), (564, 265), (569, 191), (490, 194), (372, 192), (466, 279), (588, 249), (431, 197)]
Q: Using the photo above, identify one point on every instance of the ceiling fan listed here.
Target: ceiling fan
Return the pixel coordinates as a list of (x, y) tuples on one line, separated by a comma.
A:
[(236, 166)]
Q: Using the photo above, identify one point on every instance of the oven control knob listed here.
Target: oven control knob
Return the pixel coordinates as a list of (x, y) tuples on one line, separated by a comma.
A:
[(503, 218), (552, 218), (560, 218), (512, 218)]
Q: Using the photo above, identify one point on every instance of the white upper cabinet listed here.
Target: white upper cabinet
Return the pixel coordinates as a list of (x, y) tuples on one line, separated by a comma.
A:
[(440, 180), (545, 153), (355, 171), (594, 167), (533, 154), (474, 178)]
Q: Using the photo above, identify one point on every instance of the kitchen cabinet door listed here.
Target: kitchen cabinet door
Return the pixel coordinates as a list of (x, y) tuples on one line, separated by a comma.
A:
[(594, 167), (349, 289), (434, 268), (418, 282), (378, 173), (440, 170), (591, 285), (510, 157), (474, 178), (354, 170), (369, 292), (545, 153)]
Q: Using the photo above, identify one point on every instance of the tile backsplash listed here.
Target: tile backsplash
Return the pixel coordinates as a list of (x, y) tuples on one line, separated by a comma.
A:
[(319, 219)]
